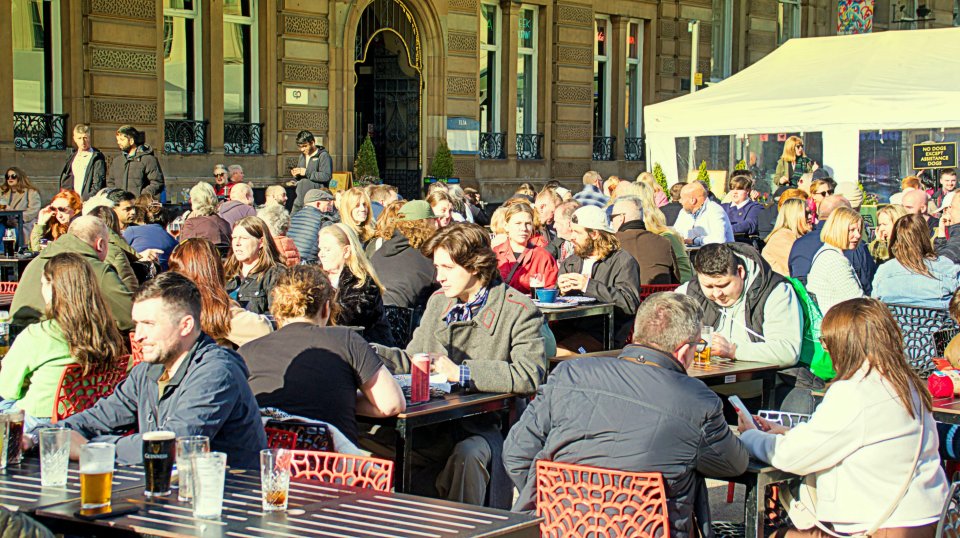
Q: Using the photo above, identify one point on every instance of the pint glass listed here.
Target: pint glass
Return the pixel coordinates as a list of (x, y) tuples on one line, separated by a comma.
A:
[(703, 349), (187, 448), (14, 419), (96, 474), (158, 455), (209, 471)]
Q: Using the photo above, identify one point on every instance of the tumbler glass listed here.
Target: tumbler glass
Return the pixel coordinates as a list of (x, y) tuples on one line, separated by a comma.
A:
[(275, 478), (187, 447), (54, 456), (209, 470)]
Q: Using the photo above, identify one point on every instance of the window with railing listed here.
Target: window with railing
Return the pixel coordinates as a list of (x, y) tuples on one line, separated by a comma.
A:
[(37, 92), (527, 70), (184, 129), (492, 146), (603, 148), (529, 147), (242, 133), (633, 113), (601, 78), (241, 138), (490, 80)]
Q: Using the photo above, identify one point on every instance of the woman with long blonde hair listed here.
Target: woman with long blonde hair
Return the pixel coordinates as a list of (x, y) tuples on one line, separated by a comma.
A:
[(832, 278), (78, 329), (655, 221), (356, 213), (793, 222), (875, 415), (793, 163), (359, 291), (886, 218)]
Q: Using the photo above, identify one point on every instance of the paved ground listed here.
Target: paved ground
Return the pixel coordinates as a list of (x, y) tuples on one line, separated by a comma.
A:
[(719, 509)]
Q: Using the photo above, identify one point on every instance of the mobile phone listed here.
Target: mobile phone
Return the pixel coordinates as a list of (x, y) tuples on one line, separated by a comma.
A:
[(741, 408), (107, 512)]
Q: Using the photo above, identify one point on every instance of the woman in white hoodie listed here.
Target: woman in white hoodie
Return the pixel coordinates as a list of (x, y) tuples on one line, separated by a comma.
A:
[(872, 444)]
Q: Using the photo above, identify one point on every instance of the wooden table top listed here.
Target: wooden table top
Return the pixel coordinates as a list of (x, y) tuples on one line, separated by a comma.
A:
[(715, 368), (949, 405), (314, 510), (453, 400)]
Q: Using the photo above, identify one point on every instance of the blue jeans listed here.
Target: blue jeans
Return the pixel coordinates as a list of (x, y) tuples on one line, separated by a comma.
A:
[(30, 422)]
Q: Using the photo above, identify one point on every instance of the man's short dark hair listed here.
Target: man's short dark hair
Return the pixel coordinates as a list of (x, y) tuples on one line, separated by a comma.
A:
[(177, 292), (119, 195), (716, 259), (948, 172), (305, 137), (469, 247)]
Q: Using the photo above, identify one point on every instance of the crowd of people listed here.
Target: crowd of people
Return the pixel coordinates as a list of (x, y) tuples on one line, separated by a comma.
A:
[(238, 308)]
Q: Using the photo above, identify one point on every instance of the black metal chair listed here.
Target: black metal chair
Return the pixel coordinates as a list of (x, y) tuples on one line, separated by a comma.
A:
[(949, 525), (401, 321), (919, 326)]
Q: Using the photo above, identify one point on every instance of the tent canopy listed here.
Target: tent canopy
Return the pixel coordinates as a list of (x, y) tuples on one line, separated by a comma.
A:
[(836, 85)]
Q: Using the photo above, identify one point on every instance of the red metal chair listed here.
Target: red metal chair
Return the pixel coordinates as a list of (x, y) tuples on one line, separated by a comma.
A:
[(277, 438), (8, 288), (78, 392), (136, 352), (331, 467), (646, 290), (578, 500)]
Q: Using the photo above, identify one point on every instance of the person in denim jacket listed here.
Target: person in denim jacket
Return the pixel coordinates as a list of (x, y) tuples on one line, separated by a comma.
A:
[(915, 275)]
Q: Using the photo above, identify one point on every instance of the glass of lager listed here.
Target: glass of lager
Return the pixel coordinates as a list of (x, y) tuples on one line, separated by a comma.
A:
[(187, 447), (703, 349), (209, 471), (275, 478), (96, 474), (158, 455)]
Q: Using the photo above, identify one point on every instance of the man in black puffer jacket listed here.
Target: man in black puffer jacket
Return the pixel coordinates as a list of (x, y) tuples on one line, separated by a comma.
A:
[(318, 212), (136, 169), (639, 412)]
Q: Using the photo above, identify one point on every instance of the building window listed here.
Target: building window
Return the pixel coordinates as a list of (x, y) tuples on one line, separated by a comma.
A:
[(182, 95), (601, 78), (36, 56), (527, 71), (240, 65), (788, 20), (956, 12), (721, 59), (490, 68), (633, 116)]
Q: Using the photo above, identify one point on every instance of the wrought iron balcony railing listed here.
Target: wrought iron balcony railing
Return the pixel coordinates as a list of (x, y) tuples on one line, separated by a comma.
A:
[(242, 138), (39, 131), (603, 147), (184, 136), (491, 146), (634, 149), (530, 147)]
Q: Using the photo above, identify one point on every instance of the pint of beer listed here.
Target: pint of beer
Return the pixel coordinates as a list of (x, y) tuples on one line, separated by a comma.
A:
[(703, 349), (96, 474), (159, 449)]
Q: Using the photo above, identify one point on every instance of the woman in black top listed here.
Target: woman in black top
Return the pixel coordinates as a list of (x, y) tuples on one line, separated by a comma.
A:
[(308, 369), (254, 265)]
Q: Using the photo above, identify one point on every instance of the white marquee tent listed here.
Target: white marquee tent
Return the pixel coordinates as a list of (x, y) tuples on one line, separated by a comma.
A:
[(888, 80)]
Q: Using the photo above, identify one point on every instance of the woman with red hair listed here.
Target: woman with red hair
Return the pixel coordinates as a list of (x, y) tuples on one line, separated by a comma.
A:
[(55, 219)]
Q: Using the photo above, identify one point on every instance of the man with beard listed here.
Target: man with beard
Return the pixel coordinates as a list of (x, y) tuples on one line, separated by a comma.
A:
[(136, 169), (598, 268), (186, 384)]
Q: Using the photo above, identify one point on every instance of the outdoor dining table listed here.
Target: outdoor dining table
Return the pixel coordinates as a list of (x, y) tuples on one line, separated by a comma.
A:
[(718, 373), (584, 310), (315, 509), (947, 410), (757, 479), (453, 406), (20, 487)]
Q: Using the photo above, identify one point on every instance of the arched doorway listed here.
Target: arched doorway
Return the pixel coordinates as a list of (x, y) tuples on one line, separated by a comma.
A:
[(388, 92)]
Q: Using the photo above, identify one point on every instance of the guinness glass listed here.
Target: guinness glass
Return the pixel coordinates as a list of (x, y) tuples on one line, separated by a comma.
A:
[(159, 451)]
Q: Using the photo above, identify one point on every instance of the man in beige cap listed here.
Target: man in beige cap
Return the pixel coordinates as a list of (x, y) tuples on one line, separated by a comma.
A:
[(599, 269)]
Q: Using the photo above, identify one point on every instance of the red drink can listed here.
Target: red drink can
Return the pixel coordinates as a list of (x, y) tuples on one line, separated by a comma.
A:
[(420, 378)]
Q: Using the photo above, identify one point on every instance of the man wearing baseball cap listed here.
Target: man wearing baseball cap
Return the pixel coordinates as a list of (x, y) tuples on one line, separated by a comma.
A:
[(318, 211), (597, 268)]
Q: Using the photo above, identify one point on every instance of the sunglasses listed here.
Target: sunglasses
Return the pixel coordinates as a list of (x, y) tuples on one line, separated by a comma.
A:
[(824, 193), (221, 174), (60, 209), (12, 176)]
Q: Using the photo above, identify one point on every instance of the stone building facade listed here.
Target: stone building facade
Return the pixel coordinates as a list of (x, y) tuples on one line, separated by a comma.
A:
[(521, 90)]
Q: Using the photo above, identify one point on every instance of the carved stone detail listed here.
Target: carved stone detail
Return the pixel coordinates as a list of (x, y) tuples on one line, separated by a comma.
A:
[(580, 132), (124, 60), (131, 9), (306, 73), (462, 42), (311, 120), (314, 26), (137, 113), (668, 29), (574, 55), (465, 167), (461, 86), (575, 15), (668, 66), (464, 6), (574, 94)]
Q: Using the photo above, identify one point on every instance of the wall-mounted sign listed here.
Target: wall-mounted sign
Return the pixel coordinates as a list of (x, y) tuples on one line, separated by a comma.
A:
[(463, 135), (298, 96), (928, 155)]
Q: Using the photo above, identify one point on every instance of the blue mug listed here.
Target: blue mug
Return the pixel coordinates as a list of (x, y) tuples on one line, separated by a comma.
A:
[(547, 295)]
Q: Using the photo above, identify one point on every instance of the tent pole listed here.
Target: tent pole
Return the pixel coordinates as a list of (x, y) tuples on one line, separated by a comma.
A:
[(693, 27)]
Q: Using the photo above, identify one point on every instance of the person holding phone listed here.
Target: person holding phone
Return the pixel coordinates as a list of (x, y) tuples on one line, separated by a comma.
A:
[(875, 415), (793, 163)]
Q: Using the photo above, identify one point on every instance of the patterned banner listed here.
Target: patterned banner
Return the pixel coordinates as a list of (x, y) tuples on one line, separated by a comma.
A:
[(854, 17)]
